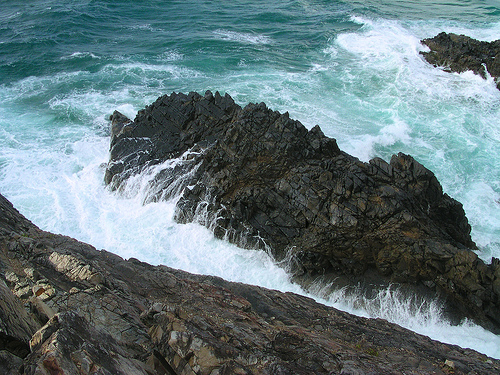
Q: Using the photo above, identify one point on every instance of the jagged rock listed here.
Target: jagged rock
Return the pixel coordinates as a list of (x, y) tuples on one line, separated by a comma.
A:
[(143, 319), (262, 180), (16, 326), (70, 344), (9, 363), (459, 53)]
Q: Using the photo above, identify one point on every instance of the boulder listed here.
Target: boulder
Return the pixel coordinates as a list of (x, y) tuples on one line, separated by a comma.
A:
[(459, 53), (262, 180), (141, 319)]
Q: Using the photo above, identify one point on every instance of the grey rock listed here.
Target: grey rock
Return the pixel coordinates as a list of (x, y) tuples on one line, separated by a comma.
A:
[(10, 364), (16, 325)]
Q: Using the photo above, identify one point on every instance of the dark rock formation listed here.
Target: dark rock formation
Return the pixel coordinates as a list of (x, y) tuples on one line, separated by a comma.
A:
[(459, 53), (260, 179), (67, 308)]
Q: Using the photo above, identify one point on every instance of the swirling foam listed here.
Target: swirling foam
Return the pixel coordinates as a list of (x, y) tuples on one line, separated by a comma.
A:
[(245, 38)]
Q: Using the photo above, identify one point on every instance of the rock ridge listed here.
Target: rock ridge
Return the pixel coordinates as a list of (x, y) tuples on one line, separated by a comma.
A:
[(262, 180), (67, 308)]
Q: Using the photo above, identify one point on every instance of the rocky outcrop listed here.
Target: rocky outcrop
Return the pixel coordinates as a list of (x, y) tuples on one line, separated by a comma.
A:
[(459, 53), (262, 180), (67, 308)]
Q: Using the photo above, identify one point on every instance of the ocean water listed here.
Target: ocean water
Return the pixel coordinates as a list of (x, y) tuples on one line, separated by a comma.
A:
[(353, 67)]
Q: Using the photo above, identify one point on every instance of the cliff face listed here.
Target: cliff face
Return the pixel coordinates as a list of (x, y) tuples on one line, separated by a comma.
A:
[(459, 53), (261, 179), (67, 308)]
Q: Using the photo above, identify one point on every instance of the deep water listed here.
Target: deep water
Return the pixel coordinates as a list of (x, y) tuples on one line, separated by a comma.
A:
[(353, 67)]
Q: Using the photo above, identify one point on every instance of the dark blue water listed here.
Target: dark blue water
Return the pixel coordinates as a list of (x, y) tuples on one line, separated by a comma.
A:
[(353, 67)]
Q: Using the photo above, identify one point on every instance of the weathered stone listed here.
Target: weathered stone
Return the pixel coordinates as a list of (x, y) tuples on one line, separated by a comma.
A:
[(69, 344), (262, 180), (74, 269), (156, 320), (10, 364), (16, 326), (459, 53)]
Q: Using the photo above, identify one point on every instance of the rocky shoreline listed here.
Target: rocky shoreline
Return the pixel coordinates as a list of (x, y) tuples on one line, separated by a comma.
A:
[(67, 308), (460, 53), (262, 180)]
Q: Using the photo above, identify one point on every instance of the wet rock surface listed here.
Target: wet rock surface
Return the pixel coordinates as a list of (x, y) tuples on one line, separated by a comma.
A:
[(262, 180), (67, 308), (459, 53)]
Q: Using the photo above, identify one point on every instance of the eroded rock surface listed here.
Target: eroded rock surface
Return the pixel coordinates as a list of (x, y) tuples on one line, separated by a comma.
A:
[(459, 53), (262, 180), (67, 308)]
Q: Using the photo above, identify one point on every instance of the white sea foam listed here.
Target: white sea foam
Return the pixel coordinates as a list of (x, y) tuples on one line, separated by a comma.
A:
[(147, 27), (80, 55), (483, 204), (245, 38), (425, 318), (421, 316), (385, 44), (172, 56), (395, 132), (379, 60), (147, 70)]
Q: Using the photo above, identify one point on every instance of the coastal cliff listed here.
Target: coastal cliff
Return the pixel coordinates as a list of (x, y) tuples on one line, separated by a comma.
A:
[(67, 308), (262, 180)]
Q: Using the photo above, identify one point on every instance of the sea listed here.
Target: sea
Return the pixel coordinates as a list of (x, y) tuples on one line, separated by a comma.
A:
[(352, 67)]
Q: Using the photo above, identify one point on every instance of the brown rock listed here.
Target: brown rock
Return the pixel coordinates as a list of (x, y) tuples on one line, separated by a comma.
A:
[(144, 319), (459, 53)]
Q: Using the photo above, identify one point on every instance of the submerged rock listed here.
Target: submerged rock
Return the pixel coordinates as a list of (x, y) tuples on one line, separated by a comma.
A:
[(106, 315), (262, 180), (459, 53)]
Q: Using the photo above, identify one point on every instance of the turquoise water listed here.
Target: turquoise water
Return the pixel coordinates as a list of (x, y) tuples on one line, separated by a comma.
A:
[(353, 67)]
